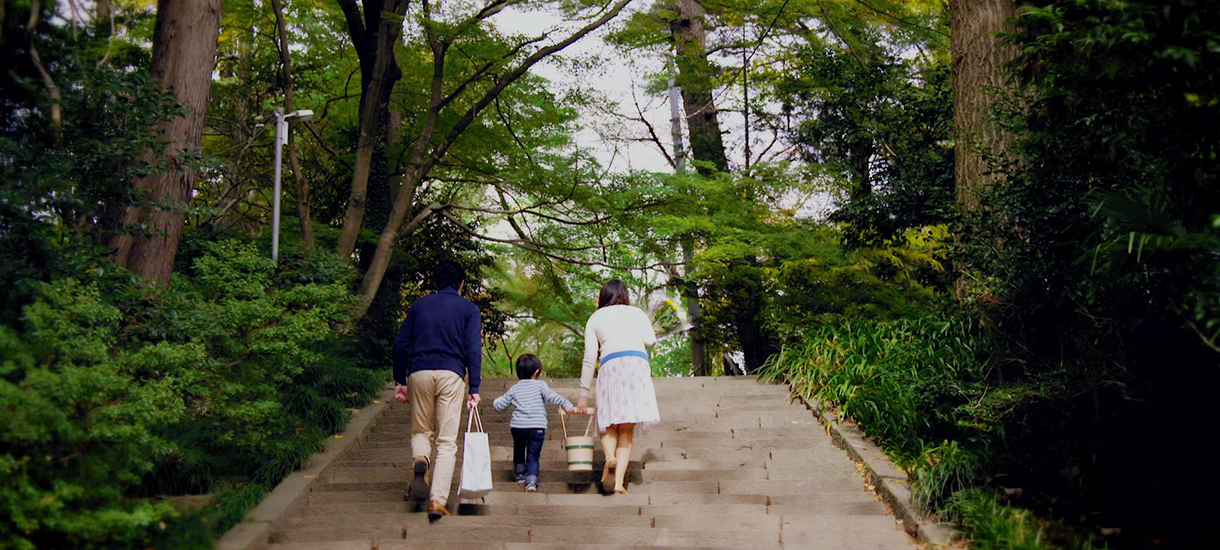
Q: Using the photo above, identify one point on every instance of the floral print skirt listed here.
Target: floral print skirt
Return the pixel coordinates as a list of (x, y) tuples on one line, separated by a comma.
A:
[(625, 394)]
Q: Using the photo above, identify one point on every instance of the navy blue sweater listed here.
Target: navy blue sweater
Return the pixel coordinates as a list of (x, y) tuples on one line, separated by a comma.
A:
[(442, 331)]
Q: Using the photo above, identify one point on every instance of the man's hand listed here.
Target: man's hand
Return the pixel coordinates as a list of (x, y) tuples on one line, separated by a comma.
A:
[(582, 406), (472, 401), (401, 395)]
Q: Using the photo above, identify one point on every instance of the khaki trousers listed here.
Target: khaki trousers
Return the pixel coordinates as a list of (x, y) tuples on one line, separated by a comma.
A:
[(436, 413)]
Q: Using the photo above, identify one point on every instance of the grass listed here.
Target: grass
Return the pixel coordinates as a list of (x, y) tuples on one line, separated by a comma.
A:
[(990, 524), (201, 529)]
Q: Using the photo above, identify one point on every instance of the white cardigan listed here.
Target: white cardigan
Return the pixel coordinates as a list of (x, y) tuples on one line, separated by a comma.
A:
[(611, 329)]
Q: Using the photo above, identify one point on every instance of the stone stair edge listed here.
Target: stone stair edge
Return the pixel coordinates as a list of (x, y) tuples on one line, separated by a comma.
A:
[(890, 483), (291, 493)]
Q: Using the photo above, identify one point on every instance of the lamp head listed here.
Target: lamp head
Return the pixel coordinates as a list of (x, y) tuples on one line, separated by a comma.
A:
[(300, 115)]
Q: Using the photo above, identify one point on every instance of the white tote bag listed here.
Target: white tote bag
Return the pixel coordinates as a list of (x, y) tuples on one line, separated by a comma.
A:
[(476, 460)]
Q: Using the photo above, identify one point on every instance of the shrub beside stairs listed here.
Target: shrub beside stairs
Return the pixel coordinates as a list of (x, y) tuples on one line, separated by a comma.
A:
[(733, 464)]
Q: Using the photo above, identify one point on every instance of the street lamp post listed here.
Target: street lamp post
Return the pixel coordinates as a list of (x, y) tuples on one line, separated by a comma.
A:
[(281, 138)]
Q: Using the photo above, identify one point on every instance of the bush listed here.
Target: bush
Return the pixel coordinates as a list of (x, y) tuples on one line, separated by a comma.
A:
[(905, 381), (234, 377), (80, 428), (992, 525)]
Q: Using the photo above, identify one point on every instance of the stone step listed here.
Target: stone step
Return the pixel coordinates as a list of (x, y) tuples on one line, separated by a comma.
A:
[(632, 536), (658, 487), (608, 509), (506, 502), (681, 382), (576, 518), (502, 470), (700, 423), (496, 465), (447, 530), (642, 452), (561, 474), (401, 413), (402, 416), (504, 437)]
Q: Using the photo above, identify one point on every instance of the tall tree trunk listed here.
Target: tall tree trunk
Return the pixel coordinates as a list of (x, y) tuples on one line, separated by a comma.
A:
[(690, 291), (293, 160), (184, 54), (101, 17), (374, 38), (695, 82), (859, 157), (695, 78), (979, 57)]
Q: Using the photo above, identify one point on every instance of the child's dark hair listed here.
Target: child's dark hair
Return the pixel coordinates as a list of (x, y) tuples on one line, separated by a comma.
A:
[(527, 365)]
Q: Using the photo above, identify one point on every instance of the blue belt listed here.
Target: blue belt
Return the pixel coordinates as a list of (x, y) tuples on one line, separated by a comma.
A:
[(629, 353)]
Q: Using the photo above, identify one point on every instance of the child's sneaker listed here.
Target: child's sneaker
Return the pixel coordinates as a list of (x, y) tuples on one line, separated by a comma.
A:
[(531, 488), (520, 479)]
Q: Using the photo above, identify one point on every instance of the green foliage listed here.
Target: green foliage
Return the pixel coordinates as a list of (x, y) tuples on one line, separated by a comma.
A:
[(58, 201), (235, 375), (905, 382), (990, 524), (79, 429), (881, 127), (1109, 213), (898, 281), (941, 472), (671, 356)]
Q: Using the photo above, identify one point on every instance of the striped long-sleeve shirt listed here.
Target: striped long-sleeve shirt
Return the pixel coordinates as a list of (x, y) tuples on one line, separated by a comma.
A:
[(529, 397)]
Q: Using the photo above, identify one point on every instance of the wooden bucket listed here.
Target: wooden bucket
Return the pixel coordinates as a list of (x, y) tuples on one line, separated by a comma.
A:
[(579, 447)]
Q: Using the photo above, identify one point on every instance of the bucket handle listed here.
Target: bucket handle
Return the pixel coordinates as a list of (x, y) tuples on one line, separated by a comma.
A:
[(563, 414)]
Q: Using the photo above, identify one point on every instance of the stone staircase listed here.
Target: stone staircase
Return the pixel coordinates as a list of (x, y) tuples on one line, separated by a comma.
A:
[(733, 464)]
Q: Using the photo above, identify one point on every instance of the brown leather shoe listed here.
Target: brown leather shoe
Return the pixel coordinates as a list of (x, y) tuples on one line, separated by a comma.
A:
[(436, 511), (420, 488)]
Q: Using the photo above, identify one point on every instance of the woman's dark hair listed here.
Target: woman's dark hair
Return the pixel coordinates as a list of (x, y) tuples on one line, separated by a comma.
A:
[(614, 293), (527, 365), (449, 274)]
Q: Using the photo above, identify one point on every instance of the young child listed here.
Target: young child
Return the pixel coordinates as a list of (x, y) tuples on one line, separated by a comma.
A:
[(529, 396)]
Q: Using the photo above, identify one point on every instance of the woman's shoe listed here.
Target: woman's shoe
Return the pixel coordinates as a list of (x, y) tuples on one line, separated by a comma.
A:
[(620, 491), (608, 475)]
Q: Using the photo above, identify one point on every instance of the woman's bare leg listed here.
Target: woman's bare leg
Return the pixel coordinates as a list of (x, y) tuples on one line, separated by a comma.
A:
[(626, 434), (609, 445)]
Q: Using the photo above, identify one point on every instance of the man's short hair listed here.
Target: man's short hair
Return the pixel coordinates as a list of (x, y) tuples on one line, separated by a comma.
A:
[(449, 274), (527, 365)]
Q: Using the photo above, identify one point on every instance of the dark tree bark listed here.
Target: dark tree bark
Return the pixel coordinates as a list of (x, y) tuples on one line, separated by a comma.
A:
[(184, 54), (979, 57), (373, 36), (690, 290), (695, 78), (695, 81), (293, 161), (101, 17)]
